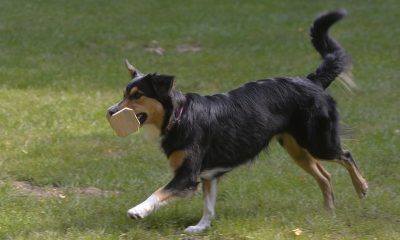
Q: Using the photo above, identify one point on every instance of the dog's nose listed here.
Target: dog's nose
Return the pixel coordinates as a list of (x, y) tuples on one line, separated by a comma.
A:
[(112, 110)]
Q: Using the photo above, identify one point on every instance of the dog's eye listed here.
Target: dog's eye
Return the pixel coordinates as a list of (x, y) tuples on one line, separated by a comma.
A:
[(135, 95)]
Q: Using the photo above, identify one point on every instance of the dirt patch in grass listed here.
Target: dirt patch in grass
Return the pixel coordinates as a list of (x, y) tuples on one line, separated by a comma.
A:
[(154, 47), (184, 48), (25, 188)]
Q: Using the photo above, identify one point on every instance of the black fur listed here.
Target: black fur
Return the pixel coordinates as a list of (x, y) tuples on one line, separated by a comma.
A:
[(335, 59), (227, 130)]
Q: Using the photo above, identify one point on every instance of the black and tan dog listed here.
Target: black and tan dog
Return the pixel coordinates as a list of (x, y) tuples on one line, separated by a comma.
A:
[(205, 137)]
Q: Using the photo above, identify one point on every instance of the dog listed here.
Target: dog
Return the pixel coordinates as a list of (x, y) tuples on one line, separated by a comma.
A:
[(205, 137)]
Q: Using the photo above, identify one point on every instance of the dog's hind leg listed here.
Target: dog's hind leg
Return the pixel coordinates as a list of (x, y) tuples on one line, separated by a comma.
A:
[(312, 166), (210, 197), (359, 183), (327, 175)]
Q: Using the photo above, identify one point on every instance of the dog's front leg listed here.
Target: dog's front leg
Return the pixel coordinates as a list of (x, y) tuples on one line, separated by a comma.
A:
[(150, 205), (158, 199), (183, 184), (210, 196)]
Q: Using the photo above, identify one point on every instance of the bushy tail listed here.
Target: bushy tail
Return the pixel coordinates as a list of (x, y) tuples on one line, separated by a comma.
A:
[(335, 59)]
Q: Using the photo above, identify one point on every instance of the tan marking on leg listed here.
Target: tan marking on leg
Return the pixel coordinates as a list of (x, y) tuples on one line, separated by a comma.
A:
[(164, 195), (359, 183), (323, 171), (150, 205), (176, 159), (156, 200), (206, 187), (327, 175), (312, 166)]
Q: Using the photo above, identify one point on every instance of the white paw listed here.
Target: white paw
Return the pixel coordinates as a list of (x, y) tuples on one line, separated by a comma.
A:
[(145, 208), (196, 229), (139, 212)]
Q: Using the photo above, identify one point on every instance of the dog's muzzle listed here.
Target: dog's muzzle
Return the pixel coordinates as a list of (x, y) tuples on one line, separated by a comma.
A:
[(112, 110)]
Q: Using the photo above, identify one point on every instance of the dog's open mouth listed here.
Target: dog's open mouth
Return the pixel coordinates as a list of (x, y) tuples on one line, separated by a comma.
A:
[(141, 117)]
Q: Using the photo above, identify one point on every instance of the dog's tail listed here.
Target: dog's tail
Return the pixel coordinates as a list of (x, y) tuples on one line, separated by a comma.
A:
[(335, 59)]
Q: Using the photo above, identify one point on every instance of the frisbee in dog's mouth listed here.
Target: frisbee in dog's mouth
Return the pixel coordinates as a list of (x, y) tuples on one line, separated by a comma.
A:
[(142, 117), (125, 121)]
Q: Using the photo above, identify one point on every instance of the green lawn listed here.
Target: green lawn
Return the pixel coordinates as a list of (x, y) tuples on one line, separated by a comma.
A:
[(61, 66)]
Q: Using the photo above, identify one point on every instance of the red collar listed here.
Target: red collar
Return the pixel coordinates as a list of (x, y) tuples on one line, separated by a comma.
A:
[(177, 118)]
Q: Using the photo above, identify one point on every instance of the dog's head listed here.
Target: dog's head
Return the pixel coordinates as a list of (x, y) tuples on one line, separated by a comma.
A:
[(146, 95)]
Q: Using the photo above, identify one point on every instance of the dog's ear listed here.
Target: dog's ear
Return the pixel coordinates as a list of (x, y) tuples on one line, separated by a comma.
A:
[(162, 85), (132, 70)]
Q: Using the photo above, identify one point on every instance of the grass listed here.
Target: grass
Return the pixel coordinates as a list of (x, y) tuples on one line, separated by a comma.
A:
[(61, 67)]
